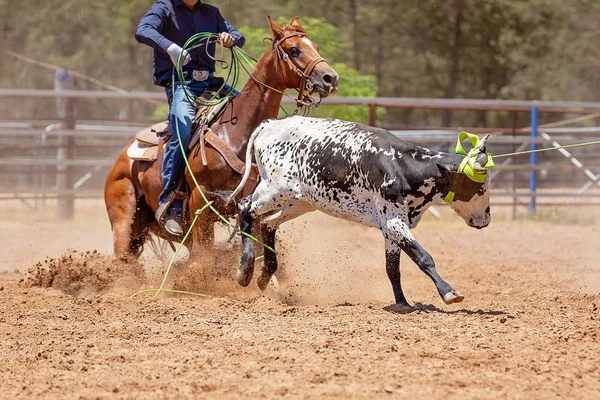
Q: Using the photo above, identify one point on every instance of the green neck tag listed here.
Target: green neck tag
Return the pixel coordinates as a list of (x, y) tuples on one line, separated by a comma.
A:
[(466, 165)]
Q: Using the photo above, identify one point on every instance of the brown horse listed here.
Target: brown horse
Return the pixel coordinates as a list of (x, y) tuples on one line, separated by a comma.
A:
[(132, 187)]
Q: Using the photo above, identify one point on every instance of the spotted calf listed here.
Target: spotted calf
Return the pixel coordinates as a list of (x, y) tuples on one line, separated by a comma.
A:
[(354, 172)]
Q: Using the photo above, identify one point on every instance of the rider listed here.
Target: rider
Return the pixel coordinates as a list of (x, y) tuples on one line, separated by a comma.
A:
[(166, 27)]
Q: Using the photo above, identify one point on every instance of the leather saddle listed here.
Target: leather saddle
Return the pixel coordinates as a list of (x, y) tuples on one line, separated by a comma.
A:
[(145, 147), (149, 142)]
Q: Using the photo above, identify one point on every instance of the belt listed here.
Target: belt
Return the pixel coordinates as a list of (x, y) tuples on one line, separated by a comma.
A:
[(201, 75), (197, 75)]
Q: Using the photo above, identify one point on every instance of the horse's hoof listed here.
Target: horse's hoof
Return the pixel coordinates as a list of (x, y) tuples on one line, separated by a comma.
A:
[(453, 297), (263, 281), (244, 276)]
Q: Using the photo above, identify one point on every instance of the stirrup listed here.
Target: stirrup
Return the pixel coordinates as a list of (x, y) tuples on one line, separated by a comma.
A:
[(173, 224), (162, 209)]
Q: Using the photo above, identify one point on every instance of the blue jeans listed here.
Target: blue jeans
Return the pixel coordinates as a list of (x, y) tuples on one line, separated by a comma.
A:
[(181, 115)]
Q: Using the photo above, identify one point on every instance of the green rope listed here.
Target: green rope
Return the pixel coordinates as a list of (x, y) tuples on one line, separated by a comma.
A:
[(241, 54), (179, 70), (203, 40), (232, 77), (168, 291), (547, 149), (187, 234)]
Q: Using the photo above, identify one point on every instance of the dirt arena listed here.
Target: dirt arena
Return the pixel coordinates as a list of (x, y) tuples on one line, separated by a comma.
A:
[(529, 326)]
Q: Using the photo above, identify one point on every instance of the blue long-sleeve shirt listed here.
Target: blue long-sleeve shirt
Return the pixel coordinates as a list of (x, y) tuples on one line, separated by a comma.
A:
[(171, 21)]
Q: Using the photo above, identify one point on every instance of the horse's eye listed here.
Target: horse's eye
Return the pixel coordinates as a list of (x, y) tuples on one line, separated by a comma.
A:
[(294, 52), (481, 191)]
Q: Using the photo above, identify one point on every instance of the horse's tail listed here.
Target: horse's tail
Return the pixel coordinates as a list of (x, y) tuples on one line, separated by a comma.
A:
[(248, 169)]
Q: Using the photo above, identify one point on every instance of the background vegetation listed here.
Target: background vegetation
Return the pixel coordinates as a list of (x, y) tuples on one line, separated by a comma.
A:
[(492, 49)]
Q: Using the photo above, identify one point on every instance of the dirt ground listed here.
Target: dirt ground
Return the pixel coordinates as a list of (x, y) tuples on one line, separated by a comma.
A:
[(529, 326)]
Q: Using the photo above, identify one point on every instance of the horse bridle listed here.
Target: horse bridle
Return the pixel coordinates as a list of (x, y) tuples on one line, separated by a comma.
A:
[(303, 100)]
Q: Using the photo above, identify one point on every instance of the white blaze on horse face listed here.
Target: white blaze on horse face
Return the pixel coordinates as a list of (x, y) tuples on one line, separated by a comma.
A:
[(476, 212), (322, 78), (308, 43)]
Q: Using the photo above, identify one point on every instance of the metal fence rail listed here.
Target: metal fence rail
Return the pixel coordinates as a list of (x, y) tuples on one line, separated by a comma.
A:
[(63, 160)]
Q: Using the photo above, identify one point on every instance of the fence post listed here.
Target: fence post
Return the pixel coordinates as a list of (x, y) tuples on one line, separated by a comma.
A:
[(372, 114), (66, 146), (533, 160), (514, 175)]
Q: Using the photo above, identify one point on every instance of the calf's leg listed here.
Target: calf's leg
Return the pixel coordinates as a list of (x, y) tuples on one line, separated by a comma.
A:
[(392, 266), (398, 237), (266, 198), (246, 269), (269, 226), (425, 262)]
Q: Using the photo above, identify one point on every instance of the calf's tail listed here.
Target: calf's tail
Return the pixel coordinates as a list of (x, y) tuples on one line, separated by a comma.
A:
[(248, 169)]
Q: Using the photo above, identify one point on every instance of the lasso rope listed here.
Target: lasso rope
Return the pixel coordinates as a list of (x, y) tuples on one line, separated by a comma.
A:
[(178, 69), (547, 149), (466, 166), (204, 39)]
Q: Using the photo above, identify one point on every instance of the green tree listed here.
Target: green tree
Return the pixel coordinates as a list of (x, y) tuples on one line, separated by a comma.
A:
[(352, 83), (517, 49)]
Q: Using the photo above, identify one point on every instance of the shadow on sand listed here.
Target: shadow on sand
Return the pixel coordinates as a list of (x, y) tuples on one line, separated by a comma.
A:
[(428, 308)]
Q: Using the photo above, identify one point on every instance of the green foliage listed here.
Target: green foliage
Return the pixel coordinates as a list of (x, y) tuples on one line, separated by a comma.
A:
[(511, 49), (352, 84), (159, 113)]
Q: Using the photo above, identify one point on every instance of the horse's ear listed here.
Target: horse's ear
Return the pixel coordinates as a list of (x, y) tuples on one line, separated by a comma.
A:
[(295, 22), (277, 31)]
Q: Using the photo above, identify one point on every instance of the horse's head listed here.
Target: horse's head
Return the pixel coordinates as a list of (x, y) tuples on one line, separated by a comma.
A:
[(301, 65)]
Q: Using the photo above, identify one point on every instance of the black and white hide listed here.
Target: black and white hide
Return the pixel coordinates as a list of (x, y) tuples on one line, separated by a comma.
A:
[(354, 172)]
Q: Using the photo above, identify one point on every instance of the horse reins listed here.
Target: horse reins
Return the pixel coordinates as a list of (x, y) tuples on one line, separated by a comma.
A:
[(301, 100)]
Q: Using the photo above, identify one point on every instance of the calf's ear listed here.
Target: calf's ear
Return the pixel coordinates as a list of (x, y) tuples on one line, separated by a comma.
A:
[(445, 170)]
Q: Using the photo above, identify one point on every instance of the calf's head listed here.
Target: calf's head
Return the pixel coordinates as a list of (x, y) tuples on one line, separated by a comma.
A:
[(476, 211), (469, 194)]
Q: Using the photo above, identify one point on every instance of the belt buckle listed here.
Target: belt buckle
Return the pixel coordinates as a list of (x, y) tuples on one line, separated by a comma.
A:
[(200, 75)]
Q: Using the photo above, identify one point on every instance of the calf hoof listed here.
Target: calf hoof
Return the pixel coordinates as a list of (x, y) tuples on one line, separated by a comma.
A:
[(244, 276), (453, 297), (263, 281)]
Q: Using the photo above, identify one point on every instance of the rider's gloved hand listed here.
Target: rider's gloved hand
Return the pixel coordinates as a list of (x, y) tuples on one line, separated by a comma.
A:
[(174, 51), (226, 39)]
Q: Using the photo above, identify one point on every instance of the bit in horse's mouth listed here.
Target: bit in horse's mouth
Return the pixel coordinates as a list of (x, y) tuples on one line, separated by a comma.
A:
[(322, 92)]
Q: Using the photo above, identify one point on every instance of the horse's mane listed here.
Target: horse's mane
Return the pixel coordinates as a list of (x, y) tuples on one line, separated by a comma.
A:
[(288, 29), (295, 29)]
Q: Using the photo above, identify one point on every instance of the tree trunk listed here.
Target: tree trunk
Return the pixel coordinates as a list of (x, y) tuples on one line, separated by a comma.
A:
[(450, 91), (355, 44)]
